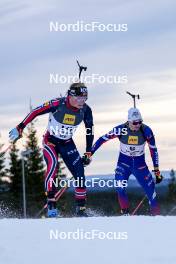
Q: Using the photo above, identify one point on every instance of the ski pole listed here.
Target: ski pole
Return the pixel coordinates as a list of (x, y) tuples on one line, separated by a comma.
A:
[(141, 202), (81, 68), (172, 210), (3, 152), (134, 96), (139, 205), (57, 196)]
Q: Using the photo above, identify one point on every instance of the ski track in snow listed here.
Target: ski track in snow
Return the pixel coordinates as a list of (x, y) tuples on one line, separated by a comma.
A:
[(151, 240)]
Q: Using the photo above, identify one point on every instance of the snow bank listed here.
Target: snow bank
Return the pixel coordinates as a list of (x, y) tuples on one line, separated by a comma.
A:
[(127, 240)]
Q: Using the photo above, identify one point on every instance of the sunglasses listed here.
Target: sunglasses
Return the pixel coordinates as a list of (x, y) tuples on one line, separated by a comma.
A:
[(80, 98), (135, 123)]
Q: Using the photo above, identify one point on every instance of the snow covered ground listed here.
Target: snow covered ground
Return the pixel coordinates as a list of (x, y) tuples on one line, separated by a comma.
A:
[(133, 239)]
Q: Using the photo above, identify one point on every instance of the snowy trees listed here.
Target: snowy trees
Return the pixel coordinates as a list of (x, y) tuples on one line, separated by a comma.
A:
[(15, 173), (172, 186), (34, 174), (34, 166), (2, 163)]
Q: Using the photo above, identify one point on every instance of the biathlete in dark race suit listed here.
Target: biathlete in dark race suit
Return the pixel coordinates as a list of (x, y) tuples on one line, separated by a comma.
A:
[(65, 115)]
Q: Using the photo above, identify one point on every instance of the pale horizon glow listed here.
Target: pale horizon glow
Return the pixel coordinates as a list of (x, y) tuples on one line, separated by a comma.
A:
[(145, 53)]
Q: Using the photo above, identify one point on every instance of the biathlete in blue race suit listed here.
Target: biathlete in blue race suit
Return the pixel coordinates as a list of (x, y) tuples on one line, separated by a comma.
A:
[(131, 159)]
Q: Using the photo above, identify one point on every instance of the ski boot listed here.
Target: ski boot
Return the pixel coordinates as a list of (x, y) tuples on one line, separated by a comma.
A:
[(81, 211), (125, 212), (52, 213), (51, 206)]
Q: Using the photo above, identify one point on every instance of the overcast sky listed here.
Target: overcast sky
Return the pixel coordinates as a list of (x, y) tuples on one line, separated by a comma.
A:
[(145, 53)]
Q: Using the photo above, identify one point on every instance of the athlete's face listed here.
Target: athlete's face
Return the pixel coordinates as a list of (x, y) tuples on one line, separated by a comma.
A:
[(135, 125), (77, 101)]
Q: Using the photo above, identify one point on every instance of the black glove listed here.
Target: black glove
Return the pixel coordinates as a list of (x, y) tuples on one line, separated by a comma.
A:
[(86, 158), (158, 176)]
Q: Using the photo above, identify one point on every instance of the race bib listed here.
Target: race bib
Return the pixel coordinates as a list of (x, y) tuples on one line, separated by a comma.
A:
[(69, 119), (133, 140)]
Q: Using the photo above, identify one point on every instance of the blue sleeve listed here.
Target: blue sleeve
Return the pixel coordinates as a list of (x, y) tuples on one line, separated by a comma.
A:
[(114, 133), (150, 138)]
